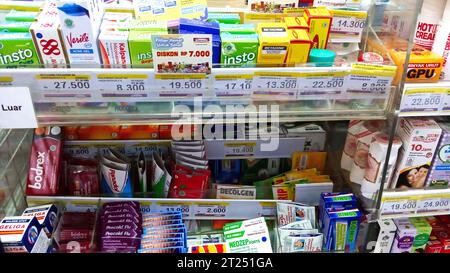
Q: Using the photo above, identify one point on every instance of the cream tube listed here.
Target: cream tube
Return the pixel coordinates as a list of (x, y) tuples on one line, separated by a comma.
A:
[(375, 164)]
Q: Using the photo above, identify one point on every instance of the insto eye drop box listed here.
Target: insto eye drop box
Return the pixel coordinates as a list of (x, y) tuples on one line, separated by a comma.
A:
[(114, 49), (140, 44), (20, 234), (239, 50), (17, 49), (47, 215), (80, 32)]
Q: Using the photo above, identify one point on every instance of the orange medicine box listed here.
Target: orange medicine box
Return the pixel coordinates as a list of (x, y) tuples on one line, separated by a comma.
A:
[(296, 23), (300, 46), (319, 21)]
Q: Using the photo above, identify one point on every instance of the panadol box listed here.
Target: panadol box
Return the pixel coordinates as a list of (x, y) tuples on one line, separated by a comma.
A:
[(239, 49), (17, 49)]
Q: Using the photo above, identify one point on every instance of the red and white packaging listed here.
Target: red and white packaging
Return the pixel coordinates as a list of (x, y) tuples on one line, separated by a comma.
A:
[(114, 49), (45, 157), (354, 127)]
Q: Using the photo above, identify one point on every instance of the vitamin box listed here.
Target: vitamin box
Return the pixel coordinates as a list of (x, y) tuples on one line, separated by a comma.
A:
[(420, 138), (47, 215), (440, 168), (273, 43), (319, 21), (22, 234), (300, 46)]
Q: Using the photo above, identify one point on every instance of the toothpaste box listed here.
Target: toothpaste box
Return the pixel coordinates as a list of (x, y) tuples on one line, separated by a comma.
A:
[(420, 137), (404, 238), (80, 31), (114, 49), (20, 234), (273, 43), (140, 45), (341, 227), (335, 200), (49, 43), (249, 236), (17, 49), (239, 49), (47, 215), (440, 167)]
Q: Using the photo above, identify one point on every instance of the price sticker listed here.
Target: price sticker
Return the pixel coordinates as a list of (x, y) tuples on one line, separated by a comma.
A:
[(237, 149), (398, 206), (233, 85), (211, 210), (325, 84), (348, 23), (446, 103), (184, 208), (80, 151), (64, 82), (422, 100), (184, 85), (123, 85), (370, 79), (436, 204), (275, 84), (135, 149)]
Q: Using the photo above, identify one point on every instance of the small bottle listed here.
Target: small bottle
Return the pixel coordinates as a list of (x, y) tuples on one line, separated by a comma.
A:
[(428, 23), (441, 44)]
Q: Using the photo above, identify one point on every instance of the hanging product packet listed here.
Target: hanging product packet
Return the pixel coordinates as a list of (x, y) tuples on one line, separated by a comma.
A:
[(116, 176), (189, 183), (292, 212), (161, 179)]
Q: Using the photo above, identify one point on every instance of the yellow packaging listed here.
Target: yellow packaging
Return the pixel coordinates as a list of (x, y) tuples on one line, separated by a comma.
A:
[(294, 174), (319, 21), (300, 46), (273, 43), (307, 160), (296, 23), (423, 66), (320, 179), (283, 191)]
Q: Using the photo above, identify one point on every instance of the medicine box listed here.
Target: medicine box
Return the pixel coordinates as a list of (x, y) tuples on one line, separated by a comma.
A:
[(386, 236), (439, 175), (340, 229), (300, 46), (239, 50), (20, 234), (17, 49), (237, 28), (334, 200), (404, 237), (296, 23), (140, 45), (114, 49), (423, 230), (420, 137), (273, 43), (47, 215), (319, 21)]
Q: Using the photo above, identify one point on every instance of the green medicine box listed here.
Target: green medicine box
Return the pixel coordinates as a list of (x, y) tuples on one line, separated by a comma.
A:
[(147, 25), (225, 18), (140, 45), (239, 50), (21, 16), (13, 26), (17, 49), (237, 28)]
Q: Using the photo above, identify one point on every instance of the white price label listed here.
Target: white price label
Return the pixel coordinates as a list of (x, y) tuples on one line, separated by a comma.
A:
[(277, 84), (233, 85), (322, 84), (394, 207), (123, 85), (348, 25), (433, 205), (246, 149), (184, 85), (80, 151), (64, 82), (6, 80), (211, 210), (135, 149), (446, 103), (373, 79), (422, 100), (16, 108), (183, 208)]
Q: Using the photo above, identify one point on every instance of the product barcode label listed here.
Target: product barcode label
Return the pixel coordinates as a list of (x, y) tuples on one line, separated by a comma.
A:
[(422, 100)]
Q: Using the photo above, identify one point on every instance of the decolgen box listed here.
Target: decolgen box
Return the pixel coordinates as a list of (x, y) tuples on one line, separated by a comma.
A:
[(225, 18), (300, 46), (47, 215), (17, 48), (440, 167), (22, 234), (80, 31), (239, 49), (237, 28), (49, 44), (335, 200), (420, 137), (140, 45), (319, 21), (296, 23), (423, 231), (341, 227), (273, 43), (114, 48)]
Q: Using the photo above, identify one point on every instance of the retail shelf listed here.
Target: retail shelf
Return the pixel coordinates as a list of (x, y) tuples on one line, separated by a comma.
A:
[(198, 209), (415, 203)]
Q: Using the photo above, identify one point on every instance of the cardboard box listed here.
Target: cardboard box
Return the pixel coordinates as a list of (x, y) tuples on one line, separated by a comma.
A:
[(140, 45), (114, 49), (423, 229), (237, 28), (340, 229), (239, 49), (420, 137), (296, 23), (17, 49), (334, 200), (300, 46), (47, 215), (249, 236), (404, 237), (386, 236), (440, 167), (319, 21), (273, 43), (20, 234)]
